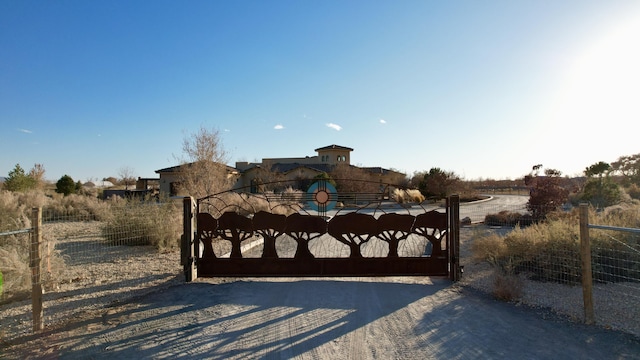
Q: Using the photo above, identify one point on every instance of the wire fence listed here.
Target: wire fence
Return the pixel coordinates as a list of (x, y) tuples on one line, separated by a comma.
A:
[(85, 262), (91, 259), (541, 263)]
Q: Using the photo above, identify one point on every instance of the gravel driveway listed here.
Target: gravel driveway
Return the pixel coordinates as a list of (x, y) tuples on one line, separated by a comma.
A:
[(329, 318)]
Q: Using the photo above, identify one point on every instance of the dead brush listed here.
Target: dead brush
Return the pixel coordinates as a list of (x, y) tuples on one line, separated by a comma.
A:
[(15, 214), (402, 196), (550, 250), (507, 286), (135, 222)]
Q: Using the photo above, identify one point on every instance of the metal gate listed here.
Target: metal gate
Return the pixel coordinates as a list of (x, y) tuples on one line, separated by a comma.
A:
[(319, 233)]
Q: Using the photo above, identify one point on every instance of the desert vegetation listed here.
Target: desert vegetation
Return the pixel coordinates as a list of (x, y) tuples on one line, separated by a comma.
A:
[(549, 250), (402, 196), (122, 222), (146, 222), (545, 243)]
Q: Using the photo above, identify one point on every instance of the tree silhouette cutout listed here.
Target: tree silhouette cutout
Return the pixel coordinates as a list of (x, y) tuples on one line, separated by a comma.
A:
[(392, 228), (353, 229), (206, 232), (433, 226), (234, 228), (270, 226), (303, 229)]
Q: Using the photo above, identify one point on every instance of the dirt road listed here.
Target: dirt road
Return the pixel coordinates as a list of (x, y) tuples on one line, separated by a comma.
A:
[(336, 318)]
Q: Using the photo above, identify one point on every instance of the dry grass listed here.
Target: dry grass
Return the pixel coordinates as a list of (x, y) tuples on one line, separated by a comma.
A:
[(123, 222), (507, 287), (550, 250), (402, 196), (14, 249), (134, 222)]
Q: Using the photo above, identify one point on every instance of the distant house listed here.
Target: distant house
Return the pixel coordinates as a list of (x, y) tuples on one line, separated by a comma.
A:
[(98, 184), (169, 182), (294, 168)]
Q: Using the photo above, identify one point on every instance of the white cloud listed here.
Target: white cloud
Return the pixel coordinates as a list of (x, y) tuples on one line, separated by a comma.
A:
[(25, 131), (383, 121), (334, 126), (279, 127), (227, 130)]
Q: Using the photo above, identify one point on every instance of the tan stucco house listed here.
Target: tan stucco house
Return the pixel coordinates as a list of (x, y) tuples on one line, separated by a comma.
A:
[(325, 160), (170, 178)]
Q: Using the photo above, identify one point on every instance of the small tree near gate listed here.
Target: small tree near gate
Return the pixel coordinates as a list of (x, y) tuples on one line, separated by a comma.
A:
[(546, 193), (437, 183)]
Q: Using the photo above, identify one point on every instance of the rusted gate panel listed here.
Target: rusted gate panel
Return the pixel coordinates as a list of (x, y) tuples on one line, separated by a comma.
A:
[(323, 267), (351, 230)]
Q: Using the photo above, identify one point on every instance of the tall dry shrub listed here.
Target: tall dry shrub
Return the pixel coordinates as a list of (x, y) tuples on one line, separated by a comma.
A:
[(550, 250), (135, 222), (15, 214), (402, 196), (74, 207), (507, 286), (14, 249)]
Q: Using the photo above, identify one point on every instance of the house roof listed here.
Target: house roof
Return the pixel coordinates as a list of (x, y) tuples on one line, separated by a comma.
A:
[(334, 147), (175, 169), (99, 184), (380, 170), (285, 168), (327, 168)]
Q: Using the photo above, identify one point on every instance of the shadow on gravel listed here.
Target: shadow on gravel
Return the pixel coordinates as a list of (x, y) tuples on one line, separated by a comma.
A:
[(240, 319), (474, 325), (330, 318)]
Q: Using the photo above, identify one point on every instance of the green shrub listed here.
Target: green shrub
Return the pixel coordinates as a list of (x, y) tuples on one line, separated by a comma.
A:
[(66, 185), (18, 180)]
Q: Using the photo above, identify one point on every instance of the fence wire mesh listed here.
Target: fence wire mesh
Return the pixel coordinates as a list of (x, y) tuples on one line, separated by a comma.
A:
[(542, 263), (88, 262)]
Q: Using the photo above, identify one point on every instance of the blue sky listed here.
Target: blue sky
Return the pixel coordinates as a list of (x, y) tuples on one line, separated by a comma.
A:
[(485, 89)]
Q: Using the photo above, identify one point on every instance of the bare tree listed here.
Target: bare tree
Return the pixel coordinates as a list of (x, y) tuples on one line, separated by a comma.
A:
[(266, 179), (127, 176), (351, 179), (204, 170), (37, 174)]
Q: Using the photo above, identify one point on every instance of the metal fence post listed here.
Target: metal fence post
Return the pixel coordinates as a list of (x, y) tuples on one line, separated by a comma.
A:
[(453, 208), (34, 263), (585, 256), (187, 247)]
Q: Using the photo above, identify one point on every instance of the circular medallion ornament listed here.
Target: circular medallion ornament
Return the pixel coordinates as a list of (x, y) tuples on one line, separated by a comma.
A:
[(322, 196)]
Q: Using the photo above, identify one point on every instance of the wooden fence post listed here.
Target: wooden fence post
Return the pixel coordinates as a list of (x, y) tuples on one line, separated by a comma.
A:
[(34, 264), (187, 247), (585, 256), (453, 208)]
